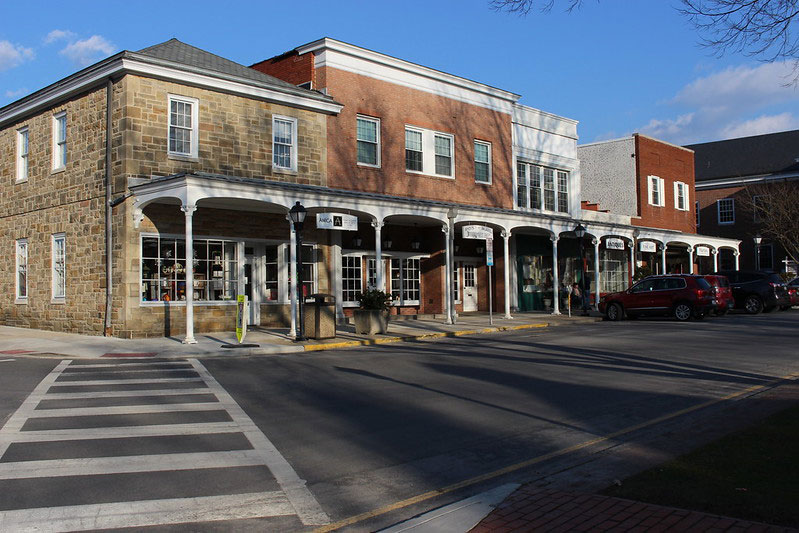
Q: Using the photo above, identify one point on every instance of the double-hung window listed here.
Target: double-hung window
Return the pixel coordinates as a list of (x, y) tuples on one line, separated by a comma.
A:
[(405, 281), (22, 154), (680, 196), (482, 162), (726, 210), (368, 136), (284, 143), (759, 208), (60, 141), (656, 195), (429, 152), (540, 188), (21, 279), (183, 127), (59, 268), (351, 278)]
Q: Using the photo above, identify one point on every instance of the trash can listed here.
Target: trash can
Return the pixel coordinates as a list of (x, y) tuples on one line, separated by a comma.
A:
[(319, 316)]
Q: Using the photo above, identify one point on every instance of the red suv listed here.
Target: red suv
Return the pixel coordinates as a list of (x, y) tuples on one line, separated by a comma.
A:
[(680, 295), (722, 292)]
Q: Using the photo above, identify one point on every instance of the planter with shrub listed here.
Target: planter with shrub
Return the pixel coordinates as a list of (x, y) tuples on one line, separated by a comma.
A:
[(372, 317)]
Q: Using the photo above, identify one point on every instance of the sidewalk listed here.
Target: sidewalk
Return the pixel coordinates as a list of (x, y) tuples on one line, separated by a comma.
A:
[(262, 341)]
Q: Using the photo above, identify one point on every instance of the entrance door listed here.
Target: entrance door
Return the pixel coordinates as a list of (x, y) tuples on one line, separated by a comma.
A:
[(469, 287), (251, 290)]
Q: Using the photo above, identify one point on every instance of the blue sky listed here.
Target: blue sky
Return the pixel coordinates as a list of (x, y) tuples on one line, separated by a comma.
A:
[(616, 66)]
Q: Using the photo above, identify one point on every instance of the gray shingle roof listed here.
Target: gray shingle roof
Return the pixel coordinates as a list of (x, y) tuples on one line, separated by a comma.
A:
[(180, 52), (748, 156)]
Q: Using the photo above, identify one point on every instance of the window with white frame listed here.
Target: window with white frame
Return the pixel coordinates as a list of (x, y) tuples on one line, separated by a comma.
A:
[(284, 143), (308, 269), (765, 257), (482, 162), (656, 195), (371, 273), (696, 207), (351, 278), (59, 266), (163, 269), (22, 154), (726, 210), (60, 141), (405, 281), (540, 187), (271, 273), (183, 126), (21, 279), (456, 282), (429, 152), (680, 196), (368, 137)]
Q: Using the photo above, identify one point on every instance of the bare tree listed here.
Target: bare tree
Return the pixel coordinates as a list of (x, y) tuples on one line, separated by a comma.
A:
[(523, 7), (775, 209)]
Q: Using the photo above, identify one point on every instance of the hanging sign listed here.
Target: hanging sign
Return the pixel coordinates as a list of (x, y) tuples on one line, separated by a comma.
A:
[(702, 251), (336, 221), (490, 252), (477, 232), (614, 244), (241, 317), (647, 246)]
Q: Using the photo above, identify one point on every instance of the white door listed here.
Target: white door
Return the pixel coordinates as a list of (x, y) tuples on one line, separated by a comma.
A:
[(469, 287), (251, 290)]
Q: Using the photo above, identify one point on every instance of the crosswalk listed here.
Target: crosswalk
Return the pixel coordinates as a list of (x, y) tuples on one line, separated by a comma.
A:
[(137, 443)]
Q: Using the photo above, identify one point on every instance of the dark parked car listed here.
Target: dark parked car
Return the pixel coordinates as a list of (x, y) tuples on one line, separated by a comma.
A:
[(793, 291), (722, 293), (757, 291), (680, 295)]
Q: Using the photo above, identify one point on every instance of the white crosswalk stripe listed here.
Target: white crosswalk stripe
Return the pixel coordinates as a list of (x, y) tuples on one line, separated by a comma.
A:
[(133, 404)]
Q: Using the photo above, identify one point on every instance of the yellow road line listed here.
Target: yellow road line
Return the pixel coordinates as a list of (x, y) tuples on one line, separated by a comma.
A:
[(541, 458)]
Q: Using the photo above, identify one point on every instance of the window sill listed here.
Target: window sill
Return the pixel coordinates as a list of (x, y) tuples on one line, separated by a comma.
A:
[(21, 301), (281, 170), (484, 183), (182, 303), (183, 157), (58, 301), (58, 170), (425, 175), (726, 223), (25, 180), (368, 166)]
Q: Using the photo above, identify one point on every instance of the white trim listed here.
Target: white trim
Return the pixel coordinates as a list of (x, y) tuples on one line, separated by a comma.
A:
[(661, 201), (429, 152), (21, 176), (489, 162), (19, 298), (377, 142), (718, 211), (293, 147), (141, 66), (679, 186), (59, 150), (720, 183), (195, 127), (55, 297)]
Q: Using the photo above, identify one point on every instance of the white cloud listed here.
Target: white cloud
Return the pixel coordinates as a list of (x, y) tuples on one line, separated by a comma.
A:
[(57, 35), (735, 102), (87, 51), (16, 93), (13, 55)]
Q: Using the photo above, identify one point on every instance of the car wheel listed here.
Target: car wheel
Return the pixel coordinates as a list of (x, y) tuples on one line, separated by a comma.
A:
[(613, 312), (753, 304), (682, 311)]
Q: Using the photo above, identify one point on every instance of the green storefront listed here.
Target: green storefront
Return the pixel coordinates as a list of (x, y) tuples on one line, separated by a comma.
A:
[(534, 270)]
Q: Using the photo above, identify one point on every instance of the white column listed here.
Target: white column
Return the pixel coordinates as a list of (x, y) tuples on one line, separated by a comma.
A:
[(189, 210), (737, 261), (715, 260), (663, 259), (447, 273), (597, 276), (379, 269), (335, 275), (506, 259), (632, 260), (293, 284), (690, 259), (555, 278)]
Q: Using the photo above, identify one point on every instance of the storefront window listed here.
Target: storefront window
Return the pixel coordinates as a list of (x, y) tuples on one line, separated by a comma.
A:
[(271, 274), (405, 281), (163, 269), (351, 280), (308, 269), (615, 269)]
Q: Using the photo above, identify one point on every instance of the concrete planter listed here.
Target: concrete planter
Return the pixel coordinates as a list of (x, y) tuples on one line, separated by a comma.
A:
[(370, 321)]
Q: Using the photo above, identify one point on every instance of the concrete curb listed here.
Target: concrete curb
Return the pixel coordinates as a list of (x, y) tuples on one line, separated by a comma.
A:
[(424, 336)]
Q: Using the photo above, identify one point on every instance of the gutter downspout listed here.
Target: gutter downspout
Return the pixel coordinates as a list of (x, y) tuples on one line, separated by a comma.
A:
[(108, 229)]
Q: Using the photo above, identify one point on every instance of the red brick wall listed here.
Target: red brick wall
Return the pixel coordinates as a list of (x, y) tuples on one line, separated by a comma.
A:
[(671, 163), (290, 67)]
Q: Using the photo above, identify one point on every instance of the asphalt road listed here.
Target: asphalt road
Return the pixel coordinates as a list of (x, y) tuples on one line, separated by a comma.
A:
[(382, 433)]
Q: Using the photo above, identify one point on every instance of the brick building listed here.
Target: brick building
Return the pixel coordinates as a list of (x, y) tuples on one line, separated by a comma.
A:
[(730, 173), (653, 183), (184, 165)]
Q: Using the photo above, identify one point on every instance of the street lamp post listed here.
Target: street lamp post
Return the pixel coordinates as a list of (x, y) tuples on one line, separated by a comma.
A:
[(297, 215), (580, 232), (758, 239)]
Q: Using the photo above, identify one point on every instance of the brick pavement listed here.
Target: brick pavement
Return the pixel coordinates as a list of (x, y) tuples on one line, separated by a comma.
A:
[(532, 508)]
